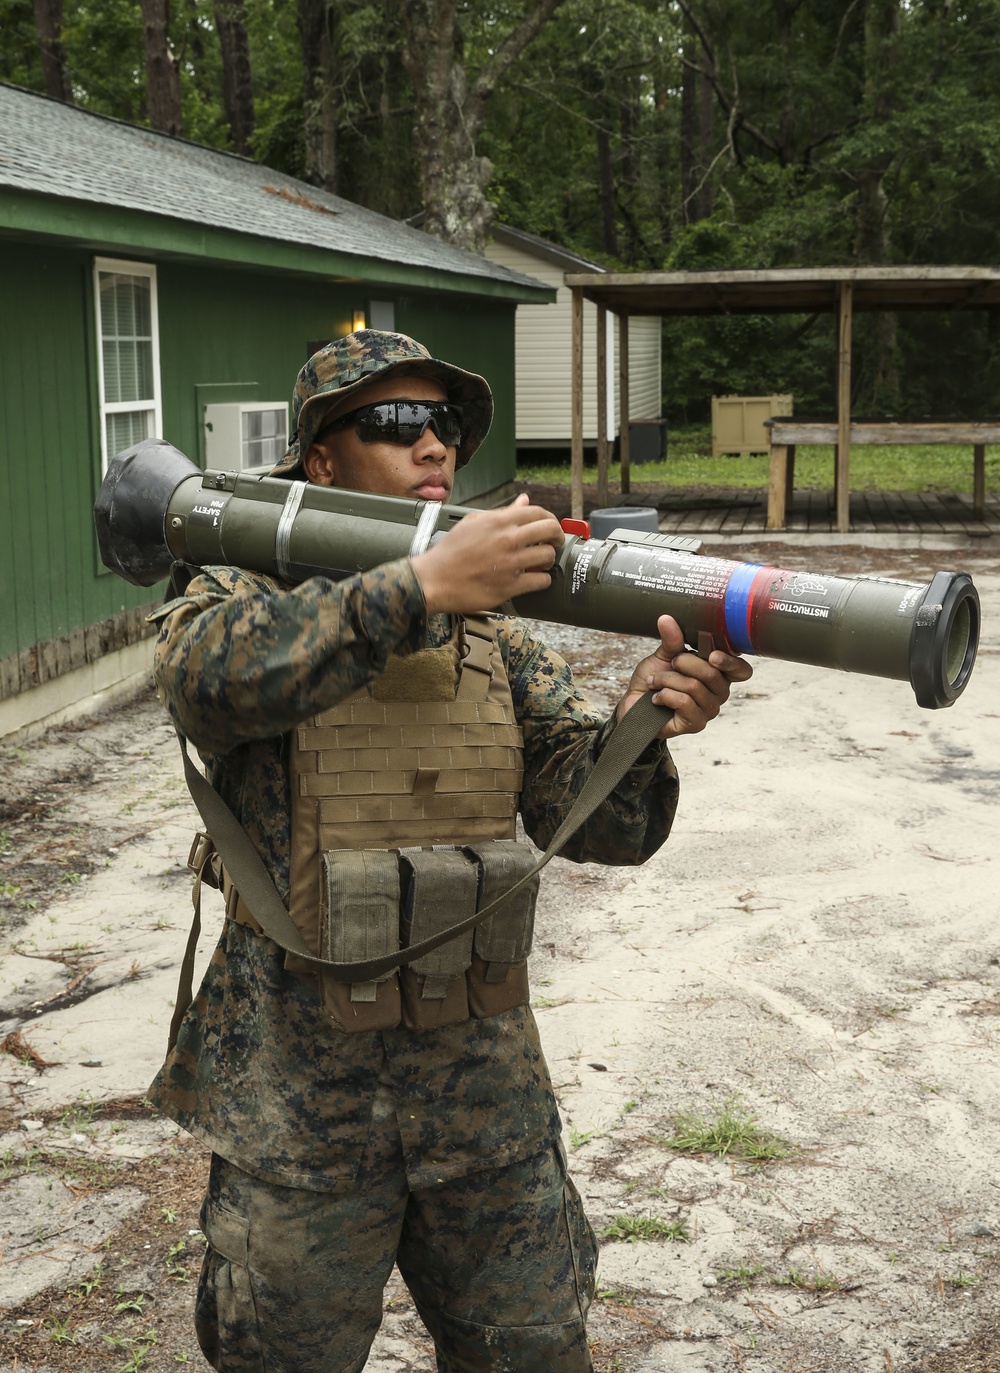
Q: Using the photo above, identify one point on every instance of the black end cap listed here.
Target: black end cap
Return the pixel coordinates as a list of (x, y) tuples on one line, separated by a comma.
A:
[(944, 640), (131, 508)]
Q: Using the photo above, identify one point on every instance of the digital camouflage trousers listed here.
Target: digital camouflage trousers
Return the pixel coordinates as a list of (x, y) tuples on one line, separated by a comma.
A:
[(501, 1266)]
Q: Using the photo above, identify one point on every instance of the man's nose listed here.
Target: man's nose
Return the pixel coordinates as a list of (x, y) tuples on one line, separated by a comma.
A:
[(429, 445)]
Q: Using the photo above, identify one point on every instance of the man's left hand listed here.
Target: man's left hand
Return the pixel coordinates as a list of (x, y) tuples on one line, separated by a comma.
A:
[(693, 688)]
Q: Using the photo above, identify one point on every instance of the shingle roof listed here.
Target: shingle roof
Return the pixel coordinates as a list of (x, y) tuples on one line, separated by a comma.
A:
[(56, 150), (545, 249)]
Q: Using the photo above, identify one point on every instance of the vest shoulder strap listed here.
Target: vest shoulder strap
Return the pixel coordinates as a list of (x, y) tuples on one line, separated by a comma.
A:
[(630, 738)]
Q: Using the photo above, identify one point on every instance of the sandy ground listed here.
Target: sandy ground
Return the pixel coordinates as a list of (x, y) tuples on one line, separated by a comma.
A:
[(814, 956)]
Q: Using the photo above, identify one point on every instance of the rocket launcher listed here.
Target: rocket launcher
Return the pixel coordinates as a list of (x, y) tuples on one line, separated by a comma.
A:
[(155, 507)]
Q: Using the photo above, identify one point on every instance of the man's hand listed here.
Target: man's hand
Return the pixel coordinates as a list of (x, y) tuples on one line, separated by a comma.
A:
[(694, 689), (489, 557)]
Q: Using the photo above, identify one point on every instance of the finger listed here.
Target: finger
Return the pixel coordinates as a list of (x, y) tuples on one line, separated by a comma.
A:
[(689, 716), (690, 665), (527, 525), (532, 581), (675, 689), (671, 637), (736, 669), (537, 557)]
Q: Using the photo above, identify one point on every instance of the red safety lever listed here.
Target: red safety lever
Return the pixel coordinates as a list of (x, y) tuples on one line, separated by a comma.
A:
[(580, 527)]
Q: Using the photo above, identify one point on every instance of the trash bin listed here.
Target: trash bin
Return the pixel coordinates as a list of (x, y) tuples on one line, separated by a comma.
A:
[(640, 518), (647, 440)]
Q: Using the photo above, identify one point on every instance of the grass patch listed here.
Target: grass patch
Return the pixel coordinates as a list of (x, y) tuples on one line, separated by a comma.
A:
[(962, 1280), (816, 1281), (731, 1131), (689, 462), (742, 1273), (635, 1228)]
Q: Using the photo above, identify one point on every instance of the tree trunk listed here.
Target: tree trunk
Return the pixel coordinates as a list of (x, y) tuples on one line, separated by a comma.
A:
[(449, 114), (315, 20), (696, 131), (706, 118), (873, 242), (628, 113), (163, 86), (237, 82), (663, 156), (606, 183), (49, 23)]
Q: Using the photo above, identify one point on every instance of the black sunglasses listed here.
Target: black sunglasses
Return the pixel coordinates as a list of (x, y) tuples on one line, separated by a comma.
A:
[(402, 421)]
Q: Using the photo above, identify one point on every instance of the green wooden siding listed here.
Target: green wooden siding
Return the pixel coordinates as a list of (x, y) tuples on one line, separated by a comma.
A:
[(479, 336), (217, 328), (48, 428)]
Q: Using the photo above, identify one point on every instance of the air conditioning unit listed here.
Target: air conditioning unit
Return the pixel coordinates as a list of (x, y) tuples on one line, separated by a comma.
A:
[(244, 434)]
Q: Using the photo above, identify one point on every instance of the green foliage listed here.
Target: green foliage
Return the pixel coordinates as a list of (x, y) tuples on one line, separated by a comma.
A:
[(600, 73), (831, 134), (20, 59)]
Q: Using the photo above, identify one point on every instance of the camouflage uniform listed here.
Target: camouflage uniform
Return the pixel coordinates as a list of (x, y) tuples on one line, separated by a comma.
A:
[(336, 1154)]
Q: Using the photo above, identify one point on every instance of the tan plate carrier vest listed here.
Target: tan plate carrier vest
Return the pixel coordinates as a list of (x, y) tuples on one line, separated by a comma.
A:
[(403, 802)]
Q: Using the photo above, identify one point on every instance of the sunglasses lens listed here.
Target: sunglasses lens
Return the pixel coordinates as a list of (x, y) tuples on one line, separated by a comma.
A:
[(401, 421)]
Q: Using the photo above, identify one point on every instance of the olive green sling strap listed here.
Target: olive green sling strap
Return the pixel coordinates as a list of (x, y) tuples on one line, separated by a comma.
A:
[(631, 736)]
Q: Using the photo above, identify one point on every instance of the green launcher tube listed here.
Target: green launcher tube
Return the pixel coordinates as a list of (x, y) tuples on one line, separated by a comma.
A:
[(156, 507)]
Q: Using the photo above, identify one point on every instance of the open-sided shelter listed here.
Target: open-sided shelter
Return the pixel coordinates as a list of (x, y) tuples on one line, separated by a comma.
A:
[(153, 286), (791, 290)]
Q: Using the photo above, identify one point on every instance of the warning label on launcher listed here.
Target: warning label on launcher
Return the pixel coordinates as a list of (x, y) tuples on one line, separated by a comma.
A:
[(705, 578)]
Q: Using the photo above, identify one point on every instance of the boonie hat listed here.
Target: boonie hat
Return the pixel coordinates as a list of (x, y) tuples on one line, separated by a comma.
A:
[(333, 376)]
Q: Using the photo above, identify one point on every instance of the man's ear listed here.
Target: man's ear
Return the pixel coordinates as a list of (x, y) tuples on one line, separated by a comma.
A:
[(318, 465)]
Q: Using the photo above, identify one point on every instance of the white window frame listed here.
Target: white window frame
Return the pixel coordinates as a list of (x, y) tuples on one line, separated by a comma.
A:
[(154, 406)]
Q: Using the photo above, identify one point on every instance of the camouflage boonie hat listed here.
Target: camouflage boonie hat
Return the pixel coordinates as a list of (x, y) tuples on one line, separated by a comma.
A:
[(346, 365)]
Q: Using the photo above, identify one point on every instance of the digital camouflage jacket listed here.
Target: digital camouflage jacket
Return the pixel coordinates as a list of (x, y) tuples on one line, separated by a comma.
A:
[(259, 1073)]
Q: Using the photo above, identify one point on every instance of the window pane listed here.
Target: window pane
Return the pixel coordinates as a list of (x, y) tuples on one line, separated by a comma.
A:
[(265, 436), (126, 333), (112, 379), (125, 430)]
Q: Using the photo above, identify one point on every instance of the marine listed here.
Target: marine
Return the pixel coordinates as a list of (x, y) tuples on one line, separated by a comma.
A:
[(359, 1126)]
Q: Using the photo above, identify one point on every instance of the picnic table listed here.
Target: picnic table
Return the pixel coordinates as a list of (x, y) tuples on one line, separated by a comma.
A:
[(787, 434)]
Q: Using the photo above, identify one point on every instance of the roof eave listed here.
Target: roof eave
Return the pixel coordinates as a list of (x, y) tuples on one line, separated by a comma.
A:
[(109, 228), (792, 290)]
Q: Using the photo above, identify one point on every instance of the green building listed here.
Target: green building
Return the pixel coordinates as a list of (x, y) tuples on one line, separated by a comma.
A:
[(152, 286)]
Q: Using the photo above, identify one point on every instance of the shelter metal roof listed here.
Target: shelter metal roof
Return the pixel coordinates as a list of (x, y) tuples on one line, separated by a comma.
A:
[(65, 154), (794, 290)]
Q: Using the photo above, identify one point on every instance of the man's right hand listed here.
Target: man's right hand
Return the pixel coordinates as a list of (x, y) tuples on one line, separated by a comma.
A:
[(490, 557)]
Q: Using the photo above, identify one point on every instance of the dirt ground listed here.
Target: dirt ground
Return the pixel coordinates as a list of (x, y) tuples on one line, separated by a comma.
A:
[(803, 987)]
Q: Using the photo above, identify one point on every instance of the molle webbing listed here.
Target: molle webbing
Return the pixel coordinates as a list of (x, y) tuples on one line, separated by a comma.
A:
[(429, 753), (391, 772)]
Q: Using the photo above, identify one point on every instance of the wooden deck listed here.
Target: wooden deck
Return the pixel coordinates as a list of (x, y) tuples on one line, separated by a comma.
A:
[(815, 512)]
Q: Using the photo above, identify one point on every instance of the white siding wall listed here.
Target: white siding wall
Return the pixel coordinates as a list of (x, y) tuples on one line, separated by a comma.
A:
[(543, 344)]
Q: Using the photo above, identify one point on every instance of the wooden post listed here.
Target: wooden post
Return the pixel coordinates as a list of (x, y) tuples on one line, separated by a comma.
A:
[(843, 462), (602, 407), (979, 481), (623, 420), (576, 401), (779, 490)]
